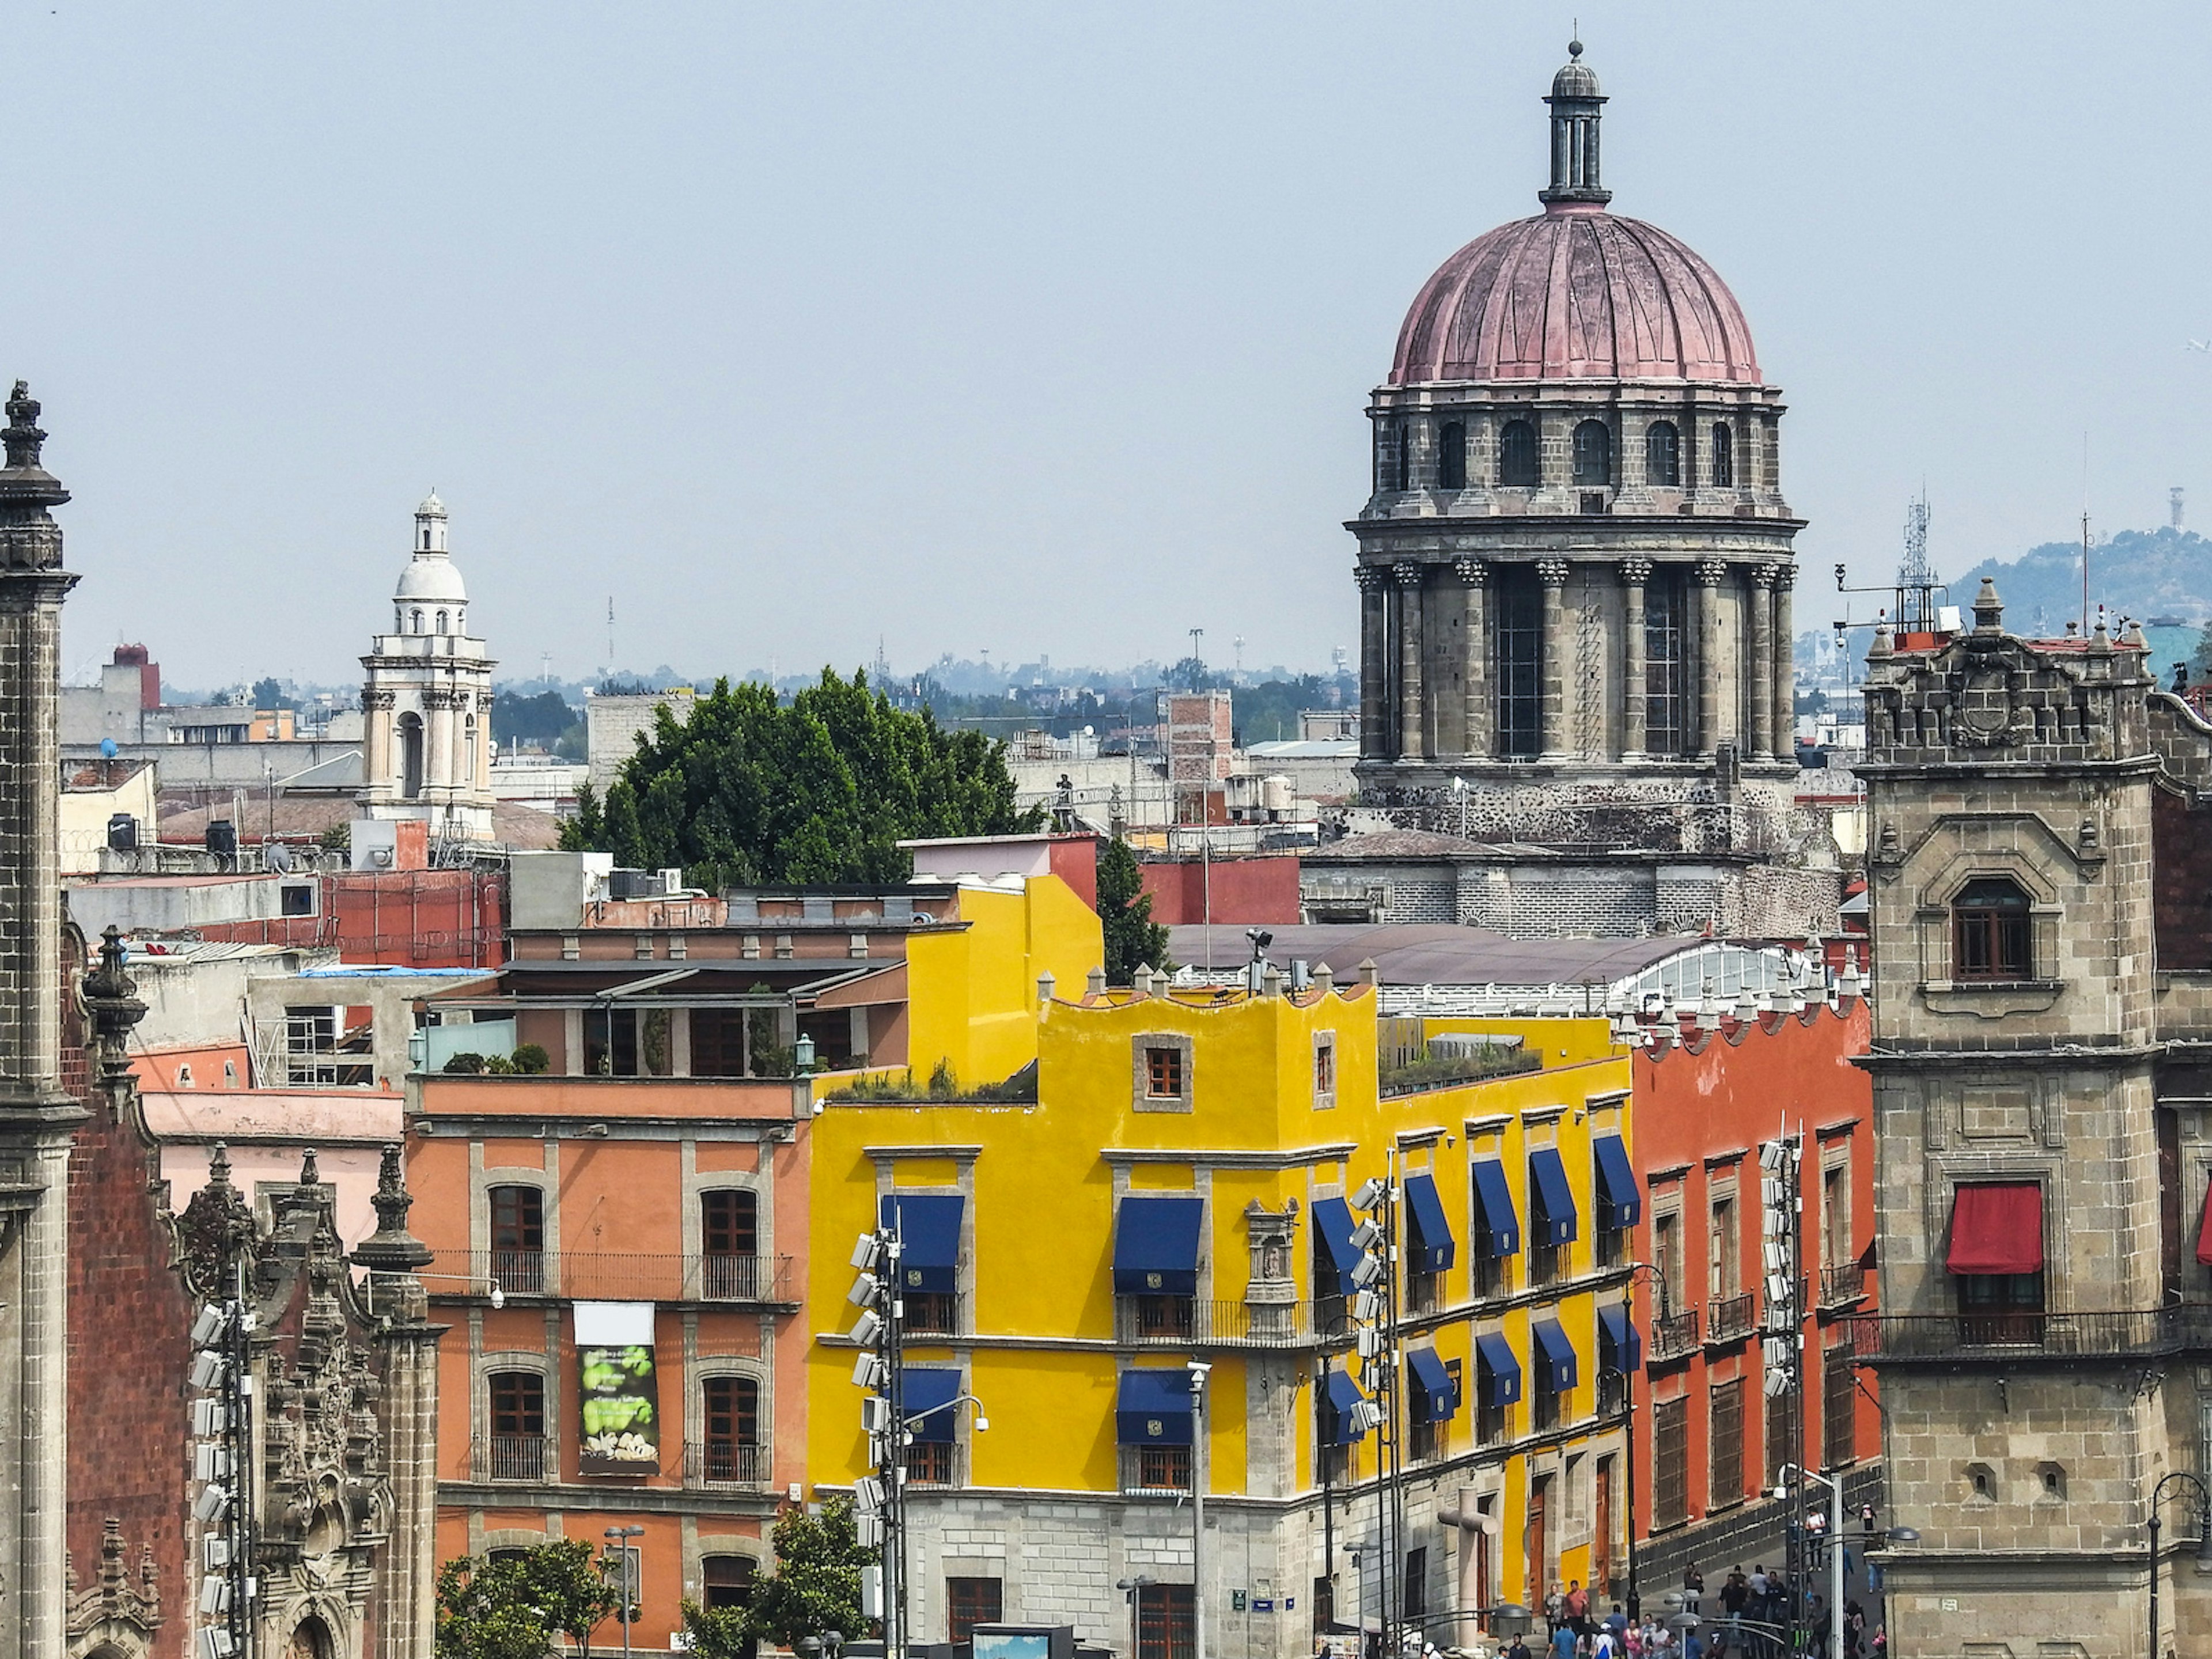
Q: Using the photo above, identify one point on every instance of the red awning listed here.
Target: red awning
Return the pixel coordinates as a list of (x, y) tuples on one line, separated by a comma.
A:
[(1997, 1229), (2204, 1234)]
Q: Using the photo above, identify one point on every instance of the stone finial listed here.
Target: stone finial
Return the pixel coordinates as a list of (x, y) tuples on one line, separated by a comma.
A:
[(1882, 646), (22, 436), (1324, 979), (1045, 986), (110, 999), (1141, 980), (391, 1249), (1370, 975), (1094, 984), (1989, 608), (310, 1175), (1271, 981)]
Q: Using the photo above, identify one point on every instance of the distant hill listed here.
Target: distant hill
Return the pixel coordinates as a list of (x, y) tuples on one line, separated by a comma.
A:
[(2142, 573)]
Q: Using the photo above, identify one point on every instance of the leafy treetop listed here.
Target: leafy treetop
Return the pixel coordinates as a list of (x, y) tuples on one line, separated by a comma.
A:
[(1125, 915), (513, 1607)]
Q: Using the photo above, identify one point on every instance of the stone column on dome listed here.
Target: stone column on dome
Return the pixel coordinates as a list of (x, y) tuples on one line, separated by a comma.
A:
[(438, 761), (1634, 574), (1410, 644), (1710, 573), (1785, 666), (1475, 741), (1374, 671), (1552, 574), (376, 721), (1758, 719)]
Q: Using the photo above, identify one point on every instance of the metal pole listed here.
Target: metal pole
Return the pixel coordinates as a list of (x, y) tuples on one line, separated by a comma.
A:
[(1628, 1402), (629, 1593), (1836, 1566), (1197, 1514), (2153, 1573)]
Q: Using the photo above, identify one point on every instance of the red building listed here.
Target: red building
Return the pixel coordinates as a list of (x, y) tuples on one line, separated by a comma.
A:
[(1710, 1443)]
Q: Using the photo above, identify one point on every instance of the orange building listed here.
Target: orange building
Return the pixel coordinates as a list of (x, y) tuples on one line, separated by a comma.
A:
[(620, 1260)]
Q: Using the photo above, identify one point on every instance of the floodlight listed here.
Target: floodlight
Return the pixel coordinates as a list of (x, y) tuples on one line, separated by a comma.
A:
[(1367, 1271), (867, 1371), (210, 1464), (868, 1494), (1372, 1192), (211, 1503), (207, 1326), (1366, 1236), (867, 1327), (1770, 1154), (215, 1595), (869, 1531), (1370, 1342), (216, 1642), (865, 1250), (1777, 1384), (1775, 1254), (876, 1415), (864, 1290), (211, 1416), (1367, 1307), (1777, 1288), (207, 1369)]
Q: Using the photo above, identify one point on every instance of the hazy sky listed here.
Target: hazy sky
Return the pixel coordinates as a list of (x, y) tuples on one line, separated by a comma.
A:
[(1020, 329)]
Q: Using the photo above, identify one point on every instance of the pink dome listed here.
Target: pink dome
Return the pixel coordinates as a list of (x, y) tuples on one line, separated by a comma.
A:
[(1575, 294)]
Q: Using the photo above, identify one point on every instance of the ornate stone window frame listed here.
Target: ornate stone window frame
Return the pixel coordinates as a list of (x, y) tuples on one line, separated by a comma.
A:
[(1141, 1096)]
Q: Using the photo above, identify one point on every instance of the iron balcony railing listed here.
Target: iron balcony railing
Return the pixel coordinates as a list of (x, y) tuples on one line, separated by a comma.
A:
[(1674, 1334), (1731, 1319), (725, 1463), (609, 1276), (1844, 1283), (2010, 1334), (1185, 1321), (521, 1458)]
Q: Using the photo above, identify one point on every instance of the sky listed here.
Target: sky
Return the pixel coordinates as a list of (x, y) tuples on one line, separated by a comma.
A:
[(1016, 329)]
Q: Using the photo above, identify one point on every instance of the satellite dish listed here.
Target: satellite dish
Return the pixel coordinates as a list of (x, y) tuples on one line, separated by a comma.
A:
[(108, 750), (280, 857)]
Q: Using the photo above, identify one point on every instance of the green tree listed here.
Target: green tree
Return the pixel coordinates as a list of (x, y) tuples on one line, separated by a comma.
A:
[(267, 693), (815, 1585), (513, 1608), (1125, 914), (542, 719), (822, 789), (721, 1633)]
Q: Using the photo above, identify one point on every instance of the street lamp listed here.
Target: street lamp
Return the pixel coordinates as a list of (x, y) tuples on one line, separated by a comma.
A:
[(1835, 1487), (627, 1554), (2203, 1537), (1198, 1370), (1628, 1416), (1133, 1589)]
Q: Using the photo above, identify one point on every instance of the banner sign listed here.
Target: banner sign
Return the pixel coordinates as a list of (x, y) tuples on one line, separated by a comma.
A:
[(620, 1392)]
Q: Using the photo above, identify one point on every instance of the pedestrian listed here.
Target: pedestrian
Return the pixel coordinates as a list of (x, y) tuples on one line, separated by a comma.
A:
[(1516, 1650), (1693, 1587), (1565, 1644), (1881, 1642), (1617, 1622), (1551, 1614), (1735, 1594), (1602, 1645), (1578, 1603), (1853, 1629)]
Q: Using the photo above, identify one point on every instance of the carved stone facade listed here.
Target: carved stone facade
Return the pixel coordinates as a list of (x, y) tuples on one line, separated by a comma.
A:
[(426, 706), (2042, 1028), (1575, 568)]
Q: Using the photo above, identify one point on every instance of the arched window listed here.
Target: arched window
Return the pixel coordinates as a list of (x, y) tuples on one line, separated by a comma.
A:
[(426, 538), (417, 627), (1403, 466), (1516, 455), (517, 1419), (411, 755), (1724, 455), (726, 1580), (441, 622), (517, 1238), (1989, 932), (1451, 458), (731, 1425), (1663, 454), (1592, 453), (729, 1240)]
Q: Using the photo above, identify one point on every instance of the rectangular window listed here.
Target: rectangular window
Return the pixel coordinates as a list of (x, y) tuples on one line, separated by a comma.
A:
[(732, 1409), (1989, 932), (1835, 1215), (517, 1411), (1666, 666), (1417, 1584), (1838, 1406), (1601, 1531), (1519, 603), (932, 1313), (718, 1042), (518, 1238), (1999, 1309), (1726, 1442), (1163, 1073), (1721, 1257), (1166, 1318), (728, 1580), (1324, 1069), (929, 1462), (1667, 1257), (1165, 1627), (1777, 1439), (1163, 1469), (972, 1601), (1670, 1462), (729, 1236)]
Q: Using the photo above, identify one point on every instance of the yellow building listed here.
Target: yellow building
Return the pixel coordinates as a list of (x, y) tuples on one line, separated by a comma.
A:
[(1179, 1191)]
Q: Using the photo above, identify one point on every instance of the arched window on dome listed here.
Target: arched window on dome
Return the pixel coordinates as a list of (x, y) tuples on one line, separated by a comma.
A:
[(426, 538), (1451, 456), (1723, 456), (1516, 455), (441, 622), (418, 626), (1663, 454), (1592, 453)]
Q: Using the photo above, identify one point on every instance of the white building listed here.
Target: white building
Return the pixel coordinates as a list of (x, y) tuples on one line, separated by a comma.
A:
[(428, 702)]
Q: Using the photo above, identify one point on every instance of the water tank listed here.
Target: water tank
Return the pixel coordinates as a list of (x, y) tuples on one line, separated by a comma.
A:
[(122, 833), (222, 837)]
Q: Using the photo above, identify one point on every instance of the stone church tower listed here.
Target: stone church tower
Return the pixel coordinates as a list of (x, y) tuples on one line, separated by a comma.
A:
[(426, 706), (1575, 569), (36, 1116), (2042, 938)]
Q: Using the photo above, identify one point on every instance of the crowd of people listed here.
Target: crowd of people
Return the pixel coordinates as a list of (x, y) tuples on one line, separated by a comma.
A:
[(1574, 1630)]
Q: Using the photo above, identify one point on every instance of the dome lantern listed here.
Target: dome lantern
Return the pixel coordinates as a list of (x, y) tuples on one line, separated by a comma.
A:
[(1575, 101)]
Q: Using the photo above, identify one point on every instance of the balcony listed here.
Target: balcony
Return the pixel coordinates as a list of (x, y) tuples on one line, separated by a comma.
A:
[(514, 1457), (1731, 1319), (1183, 1321), (1842, 1284), (725, 1463), (1673, 1335), (604, 1276), (2009, 1336)]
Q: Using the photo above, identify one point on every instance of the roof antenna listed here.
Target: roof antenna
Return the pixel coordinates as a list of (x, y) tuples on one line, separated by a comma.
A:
[(2085, 532)]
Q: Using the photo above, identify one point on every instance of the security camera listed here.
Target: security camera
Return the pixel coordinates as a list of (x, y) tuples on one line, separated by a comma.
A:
[(1198, 1368)]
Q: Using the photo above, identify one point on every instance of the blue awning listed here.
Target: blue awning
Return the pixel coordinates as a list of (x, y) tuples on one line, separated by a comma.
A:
[(1497, 1224), (1550, 1200), (1156, 1246), (1153, 1407), (1618, 1332), (1344, 1395), (1620, 1200), (1432, 1240), (929, 1239), (1556, 1363), (1332, 1225), (928, 1393), (1435, 1396), (1499, 1370)]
